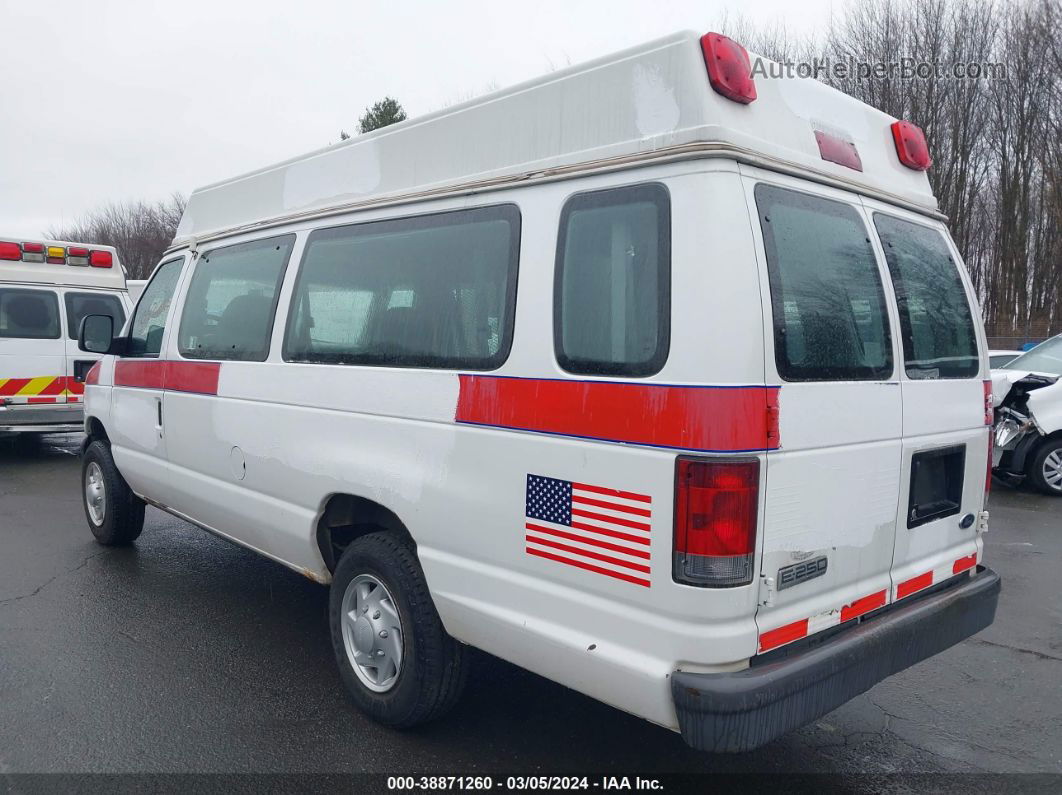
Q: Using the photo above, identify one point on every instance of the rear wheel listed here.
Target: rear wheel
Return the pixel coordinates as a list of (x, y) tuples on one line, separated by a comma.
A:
[(1045, 469), (394, 655), (115, 515)]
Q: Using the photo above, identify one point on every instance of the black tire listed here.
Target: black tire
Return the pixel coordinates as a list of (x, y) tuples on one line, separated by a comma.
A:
[(433, 665), (123, 511), (1035, 468)]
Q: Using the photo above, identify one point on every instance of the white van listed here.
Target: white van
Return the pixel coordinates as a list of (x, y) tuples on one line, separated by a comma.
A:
[(46, 288), (662, 382)]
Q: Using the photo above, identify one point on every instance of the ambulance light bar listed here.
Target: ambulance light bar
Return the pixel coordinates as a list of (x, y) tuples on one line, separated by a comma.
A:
[(56, 255)]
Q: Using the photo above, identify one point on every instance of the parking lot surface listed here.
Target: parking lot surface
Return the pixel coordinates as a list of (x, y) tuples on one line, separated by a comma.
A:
[(185, 653)]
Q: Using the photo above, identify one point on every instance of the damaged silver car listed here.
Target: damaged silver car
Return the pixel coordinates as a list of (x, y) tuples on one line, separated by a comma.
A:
[(1028, 418)]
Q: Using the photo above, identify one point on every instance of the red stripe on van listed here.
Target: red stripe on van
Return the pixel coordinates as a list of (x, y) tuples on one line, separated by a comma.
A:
[(140, 373), (963, 564), (12, 386), (908, 587), (783, 635), (862, 606), (199, 377), (705, 418), (92, 376)]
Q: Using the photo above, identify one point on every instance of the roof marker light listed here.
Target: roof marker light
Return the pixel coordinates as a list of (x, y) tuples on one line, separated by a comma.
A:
[(76, 255), (911, 146), (101, 259), (838, 150), (33, 252), (10, 251), (729, 70), (56, 255)]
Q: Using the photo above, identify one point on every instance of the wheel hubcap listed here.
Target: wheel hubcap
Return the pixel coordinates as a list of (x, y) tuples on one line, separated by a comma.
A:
[(1053, 470), (372, 633), (95, 493)]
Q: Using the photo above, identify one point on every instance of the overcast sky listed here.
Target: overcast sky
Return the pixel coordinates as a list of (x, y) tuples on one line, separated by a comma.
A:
[(109, 100)]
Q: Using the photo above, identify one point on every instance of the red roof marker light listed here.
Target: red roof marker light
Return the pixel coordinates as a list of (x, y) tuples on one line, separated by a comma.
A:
[(729, 70), (10, 251), (101, 259), (911, 146)]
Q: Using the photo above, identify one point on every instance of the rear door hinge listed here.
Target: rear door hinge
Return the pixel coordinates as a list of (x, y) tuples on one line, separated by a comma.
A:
[(767, 591)]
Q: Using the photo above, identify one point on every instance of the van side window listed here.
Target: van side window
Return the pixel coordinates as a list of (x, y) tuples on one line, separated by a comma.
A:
[(612, 290), (29, 314), (231, 300), (427, 291), (149, 317), (939, 340), (80, 305), (827, 300)]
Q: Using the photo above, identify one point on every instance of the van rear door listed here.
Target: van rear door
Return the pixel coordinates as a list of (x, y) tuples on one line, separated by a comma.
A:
[(942, 381), (32, 355), (829, 523)]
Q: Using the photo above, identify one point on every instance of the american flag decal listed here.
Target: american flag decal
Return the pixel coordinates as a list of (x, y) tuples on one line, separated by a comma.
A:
[(593, 528)]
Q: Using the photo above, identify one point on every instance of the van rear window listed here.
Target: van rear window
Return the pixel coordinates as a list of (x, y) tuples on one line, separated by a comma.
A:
[(81, 305), (830, 319), (29, 314), (427, 291), (939, 340)]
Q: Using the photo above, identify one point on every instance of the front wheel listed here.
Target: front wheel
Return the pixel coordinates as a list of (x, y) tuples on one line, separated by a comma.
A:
[(394, 655), (1045, 469), (115, 515)]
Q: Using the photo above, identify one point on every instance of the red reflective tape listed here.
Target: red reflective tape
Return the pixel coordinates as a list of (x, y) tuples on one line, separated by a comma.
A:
[(586, 553), (199, 377), (774, 638), (587, 567), (611, 506), (55, 387), (42, 400), (627, 495), (705, 418), (963, 564), (862, 606), (908, 587), (12, 386), (76, 387), (597, 542), (140, 373)]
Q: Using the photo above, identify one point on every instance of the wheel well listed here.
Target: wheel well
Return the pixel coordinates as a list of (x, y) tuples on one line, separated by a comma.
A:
[(94, 430), (346, 518)]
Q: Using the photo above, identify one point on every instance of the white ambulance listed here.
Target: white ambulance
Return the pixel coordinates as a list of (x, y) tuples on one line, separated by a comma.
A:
[(46, 288), (664, 382)]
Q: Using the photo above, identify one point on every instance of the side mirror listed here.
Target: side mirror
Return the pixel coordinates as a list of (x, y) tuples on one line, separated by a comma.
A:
[(96, 333)]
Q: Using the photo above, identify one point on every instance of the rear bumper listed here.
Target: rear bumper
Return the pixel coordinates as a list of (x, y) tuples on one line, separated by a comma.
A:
[(744, 710), (64, 418)]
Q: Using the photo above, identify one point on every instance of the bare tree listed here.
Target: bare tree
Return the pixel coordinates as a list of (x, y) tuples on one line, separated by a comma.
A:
[(140, 231)]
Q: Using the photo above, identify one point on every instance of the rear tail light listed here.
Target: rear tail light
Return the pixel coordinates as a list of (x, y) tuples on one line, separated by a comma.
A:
[(911, 146), (33, 252), (77, 256), (10, 251), (716, 503), (101, 259), (729, 70), (56, 255)]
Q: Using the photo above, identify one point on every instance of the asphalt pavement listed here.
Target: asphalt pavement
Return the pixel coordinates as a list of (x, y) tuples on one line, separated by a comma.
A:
[(185, 653)]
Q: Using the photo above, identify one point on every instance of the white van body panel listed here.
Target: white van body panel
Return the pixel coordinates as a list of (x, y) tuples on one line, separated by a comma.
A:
[(257, 451)]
